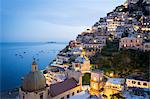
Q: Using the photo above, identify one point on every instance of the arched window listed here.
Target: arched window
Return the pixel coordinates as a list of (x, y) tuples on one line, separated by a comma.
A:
[(145, 84)]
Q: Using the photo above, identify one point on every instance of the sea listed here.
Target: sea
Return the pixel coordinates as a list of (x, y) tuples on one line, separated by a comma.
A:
[(16, 60)]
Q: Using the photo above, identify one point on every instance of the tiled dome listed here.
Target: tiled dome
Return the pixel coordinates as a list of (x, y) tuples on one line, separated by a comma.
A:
[(34, 81)]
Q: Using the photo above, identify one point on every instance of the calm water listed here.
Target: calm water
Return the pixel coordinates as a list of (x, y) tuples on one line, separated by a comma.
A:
[(16, 60)]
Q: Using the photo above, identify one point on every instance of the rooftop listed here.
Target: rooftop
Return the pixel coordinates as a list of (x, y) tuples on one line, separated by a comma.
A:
[(81, 95), (62, 86), (118, 81)]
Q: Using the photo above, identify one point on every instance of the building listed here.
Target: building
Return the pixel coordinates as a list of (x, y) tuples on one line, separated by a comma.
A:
[(95, 46), (65, 89), (132, 1), (119, 31), (34, 85), (97, 82), (130, 43), (81, 95), (72, 44), (76, 51), (62, 59), (81, 64), (146, 46), (137, 83), (112, 25), (115, 84)]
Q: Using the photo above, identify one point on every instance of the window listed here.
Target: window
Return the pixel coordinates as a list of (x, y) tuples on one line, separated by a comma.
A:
[(145, 84), (68, 96), (146, 46), (139, 83), (41, 96), (72, 93), (133, 82)]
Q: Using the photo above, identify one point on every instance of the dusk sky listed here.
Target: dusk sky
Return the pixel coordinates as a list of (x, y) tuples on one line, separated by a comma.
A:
[(50, 20)]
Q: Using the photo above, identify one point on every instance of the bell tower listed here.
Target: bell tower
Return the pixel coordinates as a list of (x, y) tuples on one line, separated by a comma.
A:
[(96, 82), (34, 66)]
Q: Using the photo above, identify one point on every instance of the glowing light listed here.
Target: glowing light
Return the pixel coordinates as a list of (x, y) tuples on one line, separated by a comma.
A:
[(94, 41), (95, 79), (138, 36), (80, 48), (111, 74)]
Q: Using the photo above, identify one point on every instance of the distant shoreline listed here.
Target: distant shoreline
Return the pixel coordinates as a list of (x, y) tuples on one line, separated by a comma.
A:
[(34, 42)]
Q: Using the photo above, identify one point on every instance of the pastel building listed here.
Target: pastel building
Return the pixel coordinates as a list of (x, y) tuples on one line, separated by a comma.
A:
[(81, 64), (130, 43)]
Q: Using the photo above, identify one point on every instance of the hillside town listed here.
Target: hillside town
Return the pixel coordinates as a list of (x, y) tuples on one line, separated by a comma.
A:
[(110, 60)]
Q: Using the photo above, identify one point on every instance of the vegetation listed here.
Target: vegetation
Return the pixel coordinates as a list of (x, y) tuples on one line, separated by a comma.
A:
[(72, 58), (121, 62), (86, 79)]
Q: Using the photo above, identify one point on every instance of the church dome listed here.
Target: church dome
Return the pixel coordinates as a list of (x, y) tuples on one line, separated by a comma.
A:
[(34, 81)]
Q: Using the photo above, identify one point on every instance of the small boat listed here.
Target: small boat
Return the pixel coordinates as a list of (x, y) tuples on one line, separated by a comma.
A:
[(22, 78)]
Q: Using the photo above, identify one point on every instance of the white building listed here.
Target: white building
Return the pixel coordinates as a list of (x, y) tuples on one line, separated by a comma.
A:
[(115, 83), (112, 25), (81, 95), (76, 51), (61, 59), (137, 83)]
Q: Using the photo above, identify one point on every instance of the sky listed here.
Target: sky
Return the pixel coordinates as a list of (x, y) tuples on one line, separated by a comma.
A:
[(50, 20)]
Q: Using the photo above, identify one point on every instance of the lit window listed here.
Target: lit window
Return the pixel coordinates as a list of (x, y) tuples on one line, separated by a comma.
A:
[(95, 79), (94, 86)]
